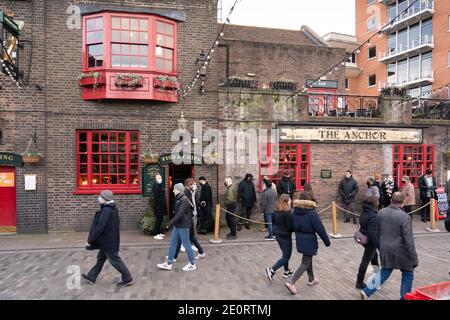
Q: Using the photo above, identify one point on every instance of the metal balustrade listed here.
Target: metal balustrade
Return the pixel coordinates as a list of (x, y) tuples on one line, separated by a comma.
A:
[(330, 105), (431, 108)]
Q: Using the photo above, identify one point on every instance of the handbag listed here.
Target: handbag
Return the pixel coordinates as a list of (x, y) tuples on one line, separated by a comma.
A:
[(360, 237)]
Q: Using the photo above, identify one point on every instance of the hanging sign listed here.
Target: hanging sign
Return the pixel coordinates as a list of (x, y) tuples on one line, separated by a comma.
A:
[(11, 159), (184, 158)]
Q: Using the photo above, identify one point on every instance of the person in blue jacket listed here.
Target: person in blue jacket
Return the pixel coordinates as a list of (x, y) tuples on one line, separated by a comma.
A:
[(307, 224)]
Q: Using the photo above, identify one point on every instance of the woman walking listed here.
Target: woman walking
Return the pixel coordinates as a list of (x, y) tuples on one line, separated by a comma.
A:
[(283, 234), (307, 187), (306, 224), (369, 227)]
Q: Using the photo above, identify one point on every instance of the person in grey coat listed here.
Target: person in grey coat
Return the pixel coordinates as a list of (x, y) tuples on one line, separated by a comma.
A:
[(397, 249), (372, 190), (268, 202)]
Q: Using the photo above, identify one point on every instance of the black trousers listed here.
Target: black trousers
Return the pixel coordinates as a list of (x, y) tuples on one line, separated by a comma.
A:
[(158, 223), (114, 260), (194, 241), (408, 209), (246, 213), (205, 219), (231, 221), (425, 213), (370, 255)]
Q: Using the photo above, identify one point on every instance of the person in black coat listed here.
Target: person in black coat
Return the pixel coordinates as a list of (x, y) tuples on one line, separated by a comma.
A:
[(306, 224), (247, 194), (104, 236), (427, 186), (159, 207), (286, 185), (377, 184), (348, 189), (368, 227), (206, 202)]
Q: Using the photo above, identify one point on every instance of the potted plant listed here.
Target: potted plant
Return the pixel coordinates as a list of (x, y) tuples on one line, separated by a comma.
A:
[(150, 158), (93, 79), (284, 84), (31, 157), (166, 82), (241, 82), (129, 80)]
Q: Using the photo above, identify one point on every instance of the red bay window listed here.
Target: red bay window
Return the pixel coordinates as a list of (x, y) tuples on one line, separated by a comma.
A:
[(294, 159), (107, 160), (412, 161), (126, 54)]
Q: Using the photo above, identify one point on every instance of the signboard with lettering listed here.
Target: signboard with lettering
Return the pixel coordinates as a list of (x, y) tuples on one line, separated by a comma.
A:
[(149, 173), (325, 174), (185, 158), (351, 135), (6, 179), (328, 84), (11, 159)]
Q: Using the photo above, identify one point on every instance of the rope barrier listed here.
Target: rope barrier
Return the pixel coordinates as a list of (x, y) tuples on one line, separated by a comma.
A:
[(352, 213), (238, 216)]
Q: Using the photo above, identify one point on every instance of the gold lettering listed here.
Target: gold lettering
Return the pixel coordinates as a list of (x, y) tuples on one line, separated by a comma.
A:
[(375, 135)]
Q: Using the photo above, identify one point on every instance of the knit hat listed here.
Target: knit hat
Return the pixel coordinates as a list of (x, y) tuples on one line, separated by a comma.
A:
[(107, 195), (179, 187)]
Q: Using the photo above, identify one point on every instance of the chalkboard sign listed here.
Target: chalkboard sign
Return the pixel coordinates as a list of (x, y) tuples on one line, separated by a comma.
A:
[(325, 174), (149, 173)]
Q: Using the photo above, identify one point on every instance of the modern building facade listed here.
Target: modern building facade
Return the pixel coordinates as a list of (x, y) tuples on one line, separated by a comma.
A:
[(410, 49)]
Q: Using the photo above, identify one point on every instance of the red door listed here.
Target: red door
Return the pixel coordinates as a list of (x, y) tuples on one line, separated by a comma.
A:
[(7, 197)]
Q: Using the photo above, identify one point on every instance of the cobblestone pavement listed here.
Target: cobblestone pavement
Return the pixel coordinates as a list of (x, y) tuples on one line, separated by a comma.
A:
[(231, 271)]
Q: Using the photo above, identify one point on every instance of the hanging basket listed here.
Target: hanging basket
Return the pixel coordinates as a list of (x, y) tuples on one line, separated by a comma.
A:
[(31, 159), (448, 153), (151, 160)]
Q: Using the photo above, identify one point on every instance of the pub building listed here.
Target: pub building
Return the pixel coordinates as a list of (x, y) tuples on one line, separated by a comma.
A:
[(104, 91)]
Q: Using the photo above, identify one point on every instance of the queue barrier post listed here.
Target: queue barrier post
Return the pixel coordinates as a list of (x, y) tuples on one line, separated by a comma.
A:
[(335, 233), (216, 239), (432, 216)]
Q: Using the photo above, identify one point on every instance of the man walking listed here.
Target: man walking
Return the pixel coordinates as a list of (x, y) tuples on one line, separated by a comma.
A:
[(286, 185), (105, 236), (397, 249), (247, 193), (229, 201), (348, 189), (427, 186), (268, 202), (206, 202)]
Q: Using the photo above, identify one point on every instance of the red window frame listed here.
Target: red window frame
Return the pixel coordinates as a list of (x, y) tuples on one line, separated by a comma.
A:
[(411, 160), (151, 42), (98, 158), (294, 158), (167, 48), (96, 31)]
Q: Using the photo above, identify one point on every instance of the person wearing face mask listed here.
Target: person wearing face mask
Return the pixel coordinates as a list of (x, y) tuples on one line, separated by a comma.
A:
[(104, 236), (206, 202), (180, 225), (388, 188), (348, 189), (229, 201), (247, 194), (159, 206)]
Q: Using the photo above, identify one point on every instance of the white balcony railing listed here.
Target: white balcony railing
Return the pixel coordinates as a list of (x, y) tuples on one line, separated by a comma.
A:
[(412, 79), (426, 6), (403, 49)]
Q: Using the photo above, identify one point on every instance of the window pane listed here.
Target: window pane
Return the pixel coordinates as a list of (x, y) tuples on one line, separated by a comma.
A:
[(125, 61), (168, 54), (122, 169), (134, 61), (134, 179), (124, 36), (95, 158), (90, 25), (113, 169), (99, 23), (134, 24), (159, 64), (113, 158), (122, 158), (99, 36), (134, 148), (116, 36), (134, 50), (121, 137), (169, 29), (134, 137), (116, 61), (125, 23), (83, 158), (168, 65), (134, 158), (143, 50), (116, 48), (143, 37), (112, 148), (116, 23), (402, 44), (114, 180), (159, 52), (99, 60), (159, 39), (90, 37), (125, 49), (122, 180), (96, 180), (104, 137), (143, 24), (169, 42), (104, 158), (134, 36), (160, 27), (143, 62), (121, 148), (83, 147)]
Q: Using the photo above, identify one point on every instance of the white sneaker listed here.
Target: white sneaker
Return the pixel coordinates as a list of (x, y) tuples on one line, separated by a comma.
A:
[(194, 248), (200, 256), (182, 249), (364, 296), (162, 235), (158, 237), (174, 260), (165, 266), (189, 267)]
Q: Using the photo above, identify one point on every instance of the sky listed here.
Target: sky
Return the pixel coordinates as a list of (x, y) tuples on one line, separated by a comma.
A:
[(323, 16)]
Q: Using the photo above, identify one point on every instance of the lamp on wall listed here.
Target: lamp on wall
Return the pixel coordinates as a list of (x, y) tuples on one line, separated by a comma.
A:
[(182, 121)]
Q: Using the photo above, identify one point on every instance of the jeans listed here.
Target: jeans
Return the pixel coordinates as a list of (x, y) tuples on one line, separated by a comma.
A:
[(183, 234), (231, 221), (157, 225), (285, 244), (370, 255), (192, 239), (307, 265), (377, 280), (116, 262), (425, 213), (269, 221)]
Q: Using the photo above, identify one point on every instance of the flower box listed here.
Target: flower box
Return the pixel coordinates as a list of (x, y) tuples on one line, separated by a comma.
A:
[(128, 81), (166, 83), (31, 159), (91, 81)]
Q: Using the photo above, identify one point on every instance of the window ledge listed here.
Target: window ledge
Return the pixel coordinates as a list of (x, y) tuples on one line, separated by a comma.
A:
[(97, 191)]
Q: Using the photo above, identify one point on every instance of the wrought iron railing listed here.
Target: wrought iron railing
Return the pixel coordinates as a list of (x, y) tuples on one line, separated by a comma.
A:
[(431, 108), (330, 105)]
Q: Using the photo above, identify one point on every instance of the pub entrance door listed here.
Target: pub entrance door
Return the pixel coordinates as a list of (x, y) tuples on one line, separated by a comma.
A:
[(177, 174), (7, 199)]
